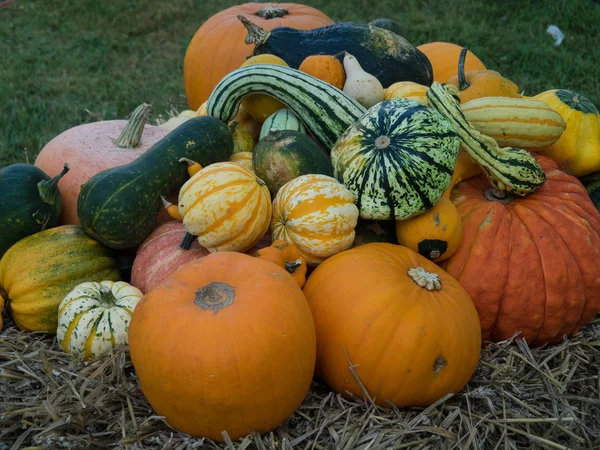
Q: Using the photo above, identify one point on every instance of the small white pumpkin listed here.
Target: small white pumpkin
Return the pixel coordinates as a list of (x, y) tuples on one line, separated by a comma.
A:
[(94, 317)]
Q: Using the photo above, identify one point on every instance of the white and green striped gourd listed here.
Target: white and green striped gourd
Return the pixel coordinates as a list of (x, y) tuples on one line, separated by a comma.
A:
[(283, 119)]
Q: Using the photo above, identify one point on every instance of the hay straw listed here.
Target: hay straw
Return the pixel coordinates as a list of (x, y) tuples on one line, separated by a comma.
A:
[(518, 398)]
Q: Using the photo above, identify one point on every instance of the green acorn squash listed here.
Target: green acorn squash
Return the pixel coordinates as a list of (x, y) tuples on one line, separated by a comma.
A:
[(40, 270), (283, 155), (397, 159), (30, 202), (118, 206), (382, 53)]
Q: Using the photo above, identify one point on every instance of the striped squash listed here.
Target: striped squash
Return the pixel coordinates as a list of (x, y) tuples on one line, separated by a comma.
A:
[(508, 169), (324, 110), (94, 317), (515, 122), (226, 207), (284, 119), (317, 214), (397, 159)]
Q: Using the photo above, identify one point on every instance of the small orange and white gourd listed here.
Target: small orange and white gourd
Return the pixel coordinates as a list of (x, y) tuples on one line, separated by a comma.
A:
[(94, 318), (407, 89), (317, 214), (243, 158), (226, 207)]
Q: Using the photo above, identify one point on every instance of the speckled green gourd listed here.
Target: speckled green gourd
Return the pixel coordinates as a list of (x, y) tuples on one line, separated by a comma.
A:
[(119, 206), (397, 160), (283, 155), (30, 202)]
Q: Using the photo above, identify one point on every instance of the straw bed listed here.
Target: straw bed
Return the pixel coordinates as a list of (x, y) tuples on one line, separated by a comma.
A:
[(518, 398)]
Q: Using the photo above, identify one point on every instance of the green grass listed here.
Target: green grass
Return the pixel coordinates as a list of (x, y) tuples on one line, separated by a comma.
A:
[(71, 61)]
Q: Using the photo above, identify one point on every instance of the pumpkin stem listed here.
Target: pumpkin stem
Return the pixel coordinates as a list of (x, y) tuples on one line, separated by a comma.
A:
[(187, 242), (48, 188), (107, 298), (428, 280), (271, 12), (462, 79), (256, 35), (496, 195), (132, 132), (291, 266)]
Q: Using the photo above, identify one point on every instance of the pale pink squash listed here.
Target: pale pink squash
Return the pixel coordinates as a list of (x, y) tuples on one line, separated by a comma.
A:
[(160, 255), (91, 148)]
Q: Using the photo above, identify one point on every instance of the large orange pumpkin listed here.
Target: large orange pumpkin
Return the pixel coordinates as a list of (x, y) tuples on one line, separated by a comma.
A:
[(444, 60), (227, 343), (530, 264), (218, 46), (407, 328), (92, 148)]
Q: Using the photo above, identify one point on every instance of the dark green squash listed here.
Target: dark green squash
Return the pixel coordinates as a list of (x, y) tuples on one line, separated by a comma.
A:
[(30, 202), (382, 53), (118, 206), (397, 159), (390, 25), (283, 155), (592, 185)]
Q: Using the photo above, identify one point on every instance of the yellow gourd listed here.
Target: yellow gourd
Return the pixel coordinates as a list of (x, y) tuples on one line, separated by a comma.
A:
[(407, 89), (261, 106), (578, 148)]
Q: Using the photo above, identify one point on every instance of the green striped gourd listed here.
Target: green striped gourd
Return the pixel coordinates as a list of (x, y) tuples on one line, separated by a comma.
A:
[(397, 159), (284, 119), (323, 109), (515, 122), (508, 169), (94, 317)]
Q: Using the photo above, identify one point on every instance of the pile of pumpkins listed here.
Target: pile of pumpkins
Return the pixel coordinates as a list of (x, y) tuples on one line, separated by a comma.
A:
[(330, 206)]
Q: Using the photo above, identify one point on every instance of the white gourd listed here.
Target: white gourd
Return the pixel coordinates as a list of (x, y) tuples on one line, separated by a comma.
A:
[(360, 85)]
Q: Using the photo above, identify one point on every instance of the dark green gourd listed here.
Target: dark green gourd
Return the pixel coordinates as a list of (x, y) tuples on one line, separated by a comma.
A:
[(118, 206), (389, 24), (380, 52), (30, 202)]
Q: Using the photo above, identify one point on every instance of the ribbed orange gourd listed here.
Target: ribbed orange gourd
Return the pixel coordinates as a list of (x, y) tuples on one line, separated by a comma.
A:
[(444, 58), (407, 89), (235, 344), (325, 67), (409, 330), (226, 207), (530, 264), (317, 214), (218, 46)]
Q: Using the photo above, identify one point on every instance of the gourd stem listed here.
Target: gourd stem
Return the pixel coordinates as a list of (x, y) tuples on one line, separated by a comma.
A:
[(462, 79), (48, 188), (256, 35), (187, 242), (427, 280), (188, 161), (292, 265), (496, 195), (271, 12), (132, 132), (107, 298)]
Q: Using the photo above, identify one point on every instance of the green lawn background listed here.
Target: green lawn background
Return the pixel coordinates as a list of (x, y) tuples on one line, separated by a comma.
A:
[(66, 62)]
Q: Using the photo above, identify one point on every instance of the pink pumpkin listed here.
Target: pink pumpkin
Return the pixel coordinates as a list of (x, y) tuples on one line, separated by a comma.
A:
[(160, 255), (89, 149)]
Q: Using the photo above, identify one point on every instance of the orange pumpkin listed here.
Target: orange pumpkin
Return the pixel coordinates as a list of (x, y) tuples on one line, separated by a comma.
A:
[(407, 89), (325, 67), (92, 148), (444, 58), (481, 83), (529, 263), (407, 328), (218, 46), (317, 214), (236, 344), (286, 255)]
